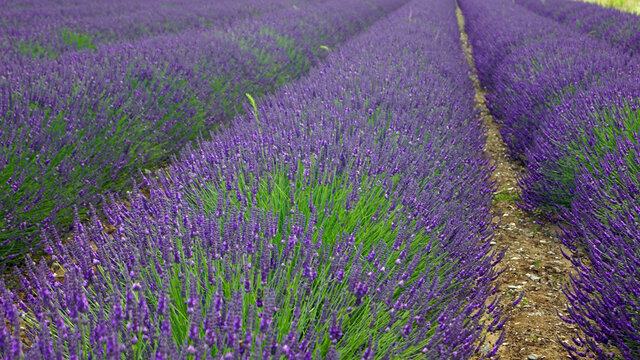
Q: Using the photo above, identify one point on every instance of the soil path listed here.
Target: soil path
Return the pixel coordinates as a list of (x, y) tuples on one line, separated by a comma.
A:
[(533, 258)]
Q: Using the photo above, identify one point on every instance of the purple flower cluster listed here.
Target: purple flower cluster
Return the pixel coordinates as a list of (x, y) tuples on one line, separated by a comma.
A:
[(619, 28), (569, 106), (50, 29), (347, 216), (85, 123)]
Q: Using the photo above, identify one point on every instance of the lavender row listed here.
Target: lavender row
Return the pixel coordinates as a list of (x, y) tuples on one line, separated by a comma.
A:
[(49, 29), (619, 28), (84, 123), (534, 63), (346, 217), (569, 106)]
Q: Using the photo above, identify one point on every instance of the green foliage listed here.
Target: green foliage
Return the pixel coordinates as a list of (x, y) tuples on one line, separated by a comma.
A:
[(34, 49), (597, 141), (506, 196), (43, 49), (371, 219), (129, 133), (78, 41)]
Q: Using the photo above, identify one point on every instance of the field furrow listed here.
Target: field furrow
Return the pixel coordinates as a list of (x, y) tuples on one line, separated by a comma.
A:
[(569, 108)]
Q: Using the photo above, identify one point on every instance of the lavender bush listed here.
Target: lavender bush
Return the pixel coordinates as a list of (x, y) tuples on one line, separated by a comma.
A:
[(347, 216), (50, 29), (619, 28), (601, 157), (84, 123), (569, 105)]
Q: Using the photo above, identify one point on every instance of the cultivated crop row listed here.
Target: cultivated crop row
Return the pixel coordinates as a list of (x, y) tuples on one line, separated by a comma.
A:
[(346, 216), (619, 28), (50, 29), (84, 123), (570, 108)]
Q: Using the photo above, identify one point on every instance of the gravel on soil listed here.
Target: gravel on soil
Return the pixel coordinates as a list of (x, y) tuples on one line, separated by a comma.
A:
[(533, 261)]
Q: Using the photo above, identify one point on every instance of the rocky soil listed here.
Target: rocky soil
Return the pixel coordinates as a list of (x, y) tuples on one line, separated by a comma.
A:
[(533, 258)]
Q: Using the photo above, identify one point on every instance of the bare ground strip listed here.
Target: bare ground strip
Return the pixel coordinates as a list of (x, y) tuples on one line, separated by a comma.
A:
[(533, 258)]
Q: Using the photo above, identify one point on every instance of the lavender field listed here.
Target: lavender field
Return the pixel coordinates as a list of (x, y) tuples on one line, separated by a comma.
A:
[(313, 179)]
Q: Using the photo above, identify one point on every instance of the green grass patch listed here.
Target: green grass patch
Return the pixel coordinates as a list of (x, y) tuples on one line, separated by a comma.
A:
[(511, 196)]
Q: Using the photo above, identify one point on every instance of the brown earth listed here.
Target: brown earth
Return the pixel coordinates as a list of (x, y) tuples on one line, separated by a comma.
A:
[(533, 254)]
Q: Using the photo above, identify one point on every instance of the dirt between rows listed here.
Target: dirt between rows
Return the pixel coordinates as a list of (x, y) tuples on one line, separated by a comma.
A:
[(533, 257)]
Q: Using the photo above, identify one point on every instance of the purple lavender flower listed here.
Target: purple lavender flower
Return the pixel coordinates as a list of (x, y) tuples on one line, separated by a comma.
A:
[(311, 228)]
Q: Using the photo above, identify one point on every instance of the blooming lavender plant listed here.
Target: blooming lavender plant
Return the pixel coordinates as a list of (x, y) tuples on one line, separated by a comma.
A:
[(570, 110), (600, 156), (84, 123), (347, 217), (619, 28), (46, 29)]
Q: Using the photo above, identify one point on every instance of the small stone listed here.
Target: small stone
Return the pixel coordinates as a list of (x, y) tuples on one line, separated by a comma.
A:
[(492, 243), (532, 357), (59, 274), (533, 277)]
